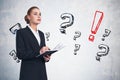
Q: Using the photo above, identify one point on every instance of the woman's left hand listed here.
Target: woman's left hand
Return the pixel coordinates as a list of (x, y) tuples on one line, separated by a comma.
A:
[(46, 58)]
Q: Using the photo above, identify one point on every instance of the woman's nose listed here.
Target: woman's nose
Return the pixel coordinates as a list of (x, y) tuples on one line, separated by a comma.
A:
[(38, 16)]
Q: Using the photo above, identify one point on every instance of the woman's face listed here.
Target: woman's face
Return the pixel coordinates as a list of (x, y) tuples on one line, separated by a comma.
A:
[(35, 16)]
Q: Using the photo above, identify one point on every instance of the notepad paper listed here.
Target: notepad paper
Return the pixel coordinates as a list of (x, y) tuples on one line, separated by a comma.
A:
[(55, 49)]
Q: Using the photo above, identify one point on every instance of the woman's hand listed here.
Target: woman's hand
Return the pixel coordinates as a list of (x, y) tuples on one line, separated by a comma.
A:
[(44, 49), (46, 58)]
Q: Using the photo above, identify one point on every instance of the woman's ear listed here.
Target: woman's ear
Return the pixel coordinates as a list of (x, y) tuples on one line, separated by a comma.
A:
[(28, 17)]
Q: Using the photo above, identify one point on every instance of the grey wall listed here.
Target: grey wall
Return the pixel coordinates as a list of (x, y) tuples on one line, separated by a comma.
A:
[(64, 65)]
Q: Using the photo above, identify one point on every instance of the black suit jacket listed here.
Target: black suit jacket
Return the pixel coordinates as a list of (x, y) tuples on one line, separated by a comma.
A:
[(32, 65)]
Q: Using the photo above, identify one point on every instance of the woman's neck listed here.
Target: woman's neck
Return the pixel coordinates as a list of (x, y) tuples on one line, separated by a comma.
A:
[(33, 26)]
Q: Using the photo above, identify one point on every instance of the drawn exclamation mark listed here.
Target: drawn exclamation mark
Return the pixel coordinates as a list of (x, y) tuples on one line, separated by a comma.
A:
[(96, 23)]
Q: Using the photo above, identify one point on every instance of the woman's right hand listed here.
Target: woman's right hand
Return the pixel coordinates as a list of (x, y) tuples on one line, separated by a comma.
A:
[(44, 49)]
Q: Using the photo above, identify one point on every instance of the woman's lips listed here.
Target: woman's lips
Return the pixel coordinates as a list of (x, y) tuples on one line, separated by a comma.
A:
[(38, 19)]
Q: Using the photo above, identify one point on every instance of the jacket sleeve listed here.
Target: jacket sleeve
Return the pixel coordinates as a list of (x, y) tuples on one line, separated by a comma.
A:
[(22, 51)]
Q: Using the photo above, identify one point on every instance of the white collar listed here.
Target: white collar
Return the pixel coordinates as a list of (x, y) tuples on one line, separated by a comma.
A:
[(32, 29)]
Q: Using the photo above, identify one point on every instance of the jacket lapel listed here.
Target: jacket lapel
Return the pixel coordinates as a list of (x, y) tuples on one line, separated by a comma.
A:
[(33, 38), (42, 41)]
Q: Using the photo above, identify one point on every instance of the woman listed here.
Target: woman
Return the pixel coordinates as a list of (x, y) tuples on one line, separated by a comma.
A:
[(30, 44)]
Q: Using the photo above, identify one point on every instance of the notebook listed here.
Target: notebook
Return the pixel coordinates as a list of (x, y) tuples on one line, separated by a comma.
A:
[(56, 49)]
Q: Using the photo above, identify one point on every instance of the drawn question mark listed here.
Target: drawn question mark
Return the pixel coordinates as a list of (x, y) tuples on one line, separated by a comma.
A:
[(96, 23), (77, 35), (15, 27), (13, 30), (107, 33), (68, 23), (47, 35), (77, 47), (105, 51), (13, 53)]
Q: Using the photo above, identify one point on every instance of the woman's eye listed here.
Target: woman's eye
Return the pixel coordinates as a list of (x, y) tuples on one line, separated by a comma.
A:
[(40, 14), (35, 14)]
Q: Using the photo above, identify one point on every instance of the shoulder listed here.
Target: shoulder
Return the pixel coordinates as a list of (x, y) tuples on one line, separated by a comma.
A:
[(22, 30)]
